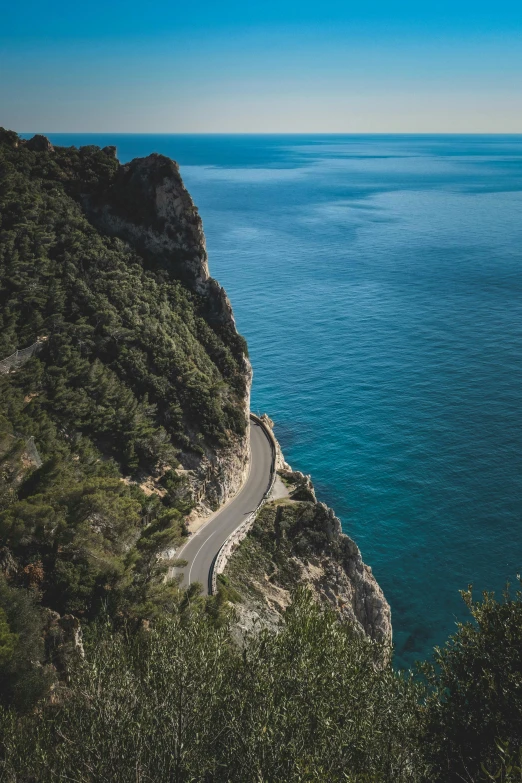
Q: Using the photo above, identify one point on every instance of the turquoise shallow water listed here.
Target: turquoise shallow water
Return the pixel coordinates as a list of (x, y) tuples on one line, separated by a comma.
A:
[(378, 282)]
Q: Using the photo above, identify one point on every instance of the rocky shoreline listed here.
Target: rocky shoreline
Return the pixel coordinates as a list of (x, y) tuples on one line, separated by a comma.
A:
[(298, 541)]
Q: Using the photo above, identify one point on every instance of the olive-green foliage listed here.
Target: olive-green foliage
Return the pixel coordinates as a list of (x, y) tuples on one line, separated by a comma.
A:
[(8, 640), (476, 703), (23, 677), (180, 702), (506, 767), (226, 591), (472, 720), (79, 537)]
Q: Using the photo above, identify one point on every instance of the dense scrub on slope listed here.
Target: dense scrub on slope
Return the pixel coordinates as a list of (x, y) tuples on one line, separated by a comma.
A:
[(134, 374), (180, 702), (300, 542), (130, 352), (282, 533), (316, 703)]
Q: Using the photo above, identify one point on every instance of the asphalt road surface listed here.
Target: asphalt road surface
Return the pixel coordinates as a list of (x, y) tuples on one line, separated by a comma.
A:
[(203, 546)]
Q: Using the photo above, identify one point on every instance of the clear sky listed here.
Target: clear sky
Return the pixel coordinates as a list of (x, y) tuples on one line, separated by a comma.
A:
[(271, 66)]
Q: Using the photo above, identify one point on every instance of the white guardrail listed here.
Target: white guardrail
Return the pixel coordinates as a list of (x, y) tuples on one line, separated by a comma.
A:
[(235, 538)]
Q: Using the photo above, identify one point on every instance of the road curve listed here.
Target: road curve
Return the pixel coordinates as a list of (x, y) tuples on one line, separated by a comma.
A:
[(203, 546)]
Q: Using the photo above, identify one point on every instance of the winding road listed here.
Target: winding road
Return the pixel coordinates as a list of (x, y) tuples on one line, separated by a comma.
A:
[(202, 548)]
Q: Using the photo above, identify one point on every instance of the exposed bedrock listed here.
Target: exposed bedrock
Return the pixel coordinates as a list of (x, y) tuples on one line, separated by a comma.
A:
[(147, 205), (299, 541)]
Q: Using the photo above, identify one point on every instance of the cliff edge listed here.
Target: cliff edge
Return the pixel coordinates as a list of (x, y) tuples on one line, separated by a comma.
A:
[(295, 541), (147, 205), (191, 363)]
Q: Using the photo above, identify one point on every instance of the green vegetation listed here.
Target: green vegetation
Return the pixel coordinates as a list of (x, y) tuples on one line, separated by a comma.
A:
[(180, 701), (133, 376), (282, 531), (132, 360), (24, 675), (474, 711)]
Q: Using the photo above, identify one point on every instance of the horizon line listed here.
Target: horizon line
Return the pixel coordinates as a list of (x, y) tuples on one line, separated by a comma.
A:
[(275, 133)]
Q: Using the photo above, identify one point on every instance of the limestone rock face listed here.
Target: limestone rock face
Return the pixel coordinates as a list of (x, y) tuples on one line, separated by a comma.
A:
[(148, 206), (166, 224), (63, 639), (72, 635), (302, 487), (347, 583), (217, 476), (335, 573), (8, 565), (318, 554)]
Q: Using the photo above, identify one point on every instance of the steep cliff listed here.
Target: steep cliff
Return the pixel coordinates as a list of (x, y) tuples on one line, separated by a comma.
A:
[(296, 541), (145, 204), (136, 401)]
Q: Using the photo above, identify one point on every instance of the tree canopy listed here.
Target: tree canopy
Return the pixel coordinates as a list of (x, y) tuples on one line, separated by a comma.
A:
[(133, 375)]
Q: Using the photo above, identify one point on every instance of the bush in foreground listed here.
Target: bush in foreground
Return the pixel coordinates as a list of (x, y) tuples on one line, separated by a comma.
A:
[(179, 701)]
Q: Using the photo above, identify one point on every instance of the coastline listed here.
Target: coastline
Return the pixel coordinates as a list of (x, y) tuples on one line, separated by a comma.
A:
[(335, 573)]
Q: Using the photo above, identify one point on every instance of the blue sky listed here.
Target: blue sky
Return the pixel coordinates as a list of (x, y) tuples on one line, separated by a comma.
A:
[(268, 66)]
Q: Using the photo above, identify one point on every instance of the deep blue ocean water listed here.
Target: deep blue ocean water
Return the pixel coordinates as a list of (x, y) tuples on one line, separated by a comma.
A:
[(378, 281)]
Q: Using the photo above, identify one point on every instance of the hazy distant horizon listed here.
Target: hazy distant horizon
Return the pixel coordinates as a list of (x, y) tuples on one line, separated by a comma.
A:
[(261, 133)]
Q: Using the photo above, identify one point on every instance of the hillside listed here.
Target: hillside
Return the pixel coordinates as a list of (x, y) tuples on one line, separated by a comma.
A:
[(136, 402), (298, 543)]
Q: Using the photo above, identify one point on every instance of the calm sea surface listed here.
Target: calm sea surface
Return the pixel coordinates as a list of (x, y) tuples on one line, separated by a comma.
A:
[(378, 281)]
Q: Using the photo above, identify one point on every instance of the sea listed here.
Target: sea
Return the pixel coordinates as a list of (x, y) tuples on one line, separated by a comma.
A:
[(378, 282)]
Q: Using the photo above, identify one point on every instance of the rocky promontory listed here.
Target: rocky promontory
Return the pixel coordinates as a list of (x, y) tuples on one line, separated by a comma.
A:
[(295, 541), (147, 205), (141, 390), (144, 204)]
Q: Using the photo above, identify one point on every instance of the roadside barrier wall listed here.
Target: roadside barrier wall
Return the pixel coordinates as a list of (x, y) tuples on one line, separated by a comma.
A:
[(235, 538)]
